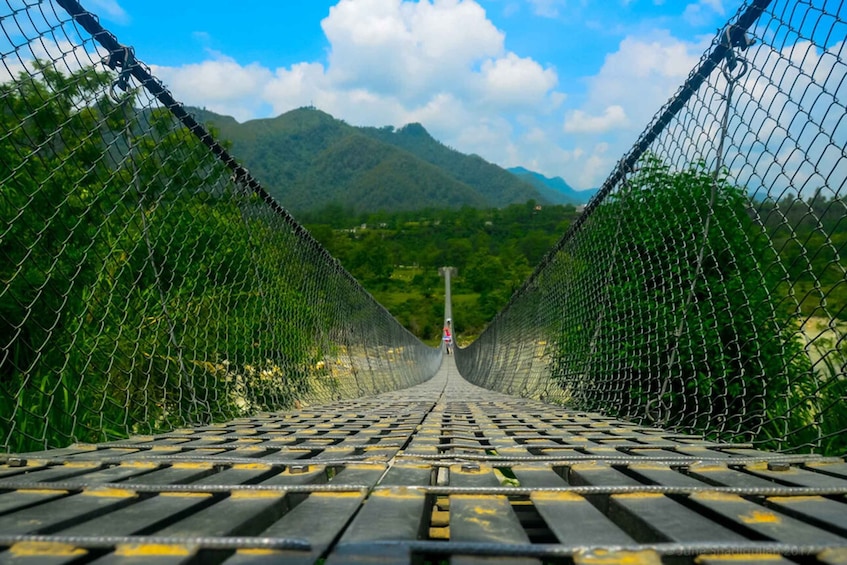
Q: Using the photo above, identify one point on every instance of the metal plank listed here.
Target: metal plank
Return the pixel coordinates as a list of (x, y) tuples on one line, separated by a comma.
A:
[(56, 514), (174, 474), (657, 474), (574, 520), (720, 474), (319, 519), (748, 516), (394, 514), (17, 500), (651, 518), (240, 513), (485, 519), (795, 475), (54, 472), (143, 517), (822, 512)]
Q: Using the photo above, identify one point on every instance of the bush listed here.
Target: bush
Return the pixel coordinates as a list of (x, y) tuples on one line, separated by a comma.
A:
[(686, 332)]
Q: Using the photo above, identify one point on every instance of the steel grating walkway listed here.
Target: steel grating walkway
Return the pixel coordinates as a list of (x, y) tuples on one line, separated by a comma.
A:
[(444, 472)]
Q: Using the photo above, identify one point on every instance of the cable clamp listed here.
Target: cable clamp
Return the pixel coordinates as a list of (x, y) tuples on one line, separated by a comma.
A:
[(734, 42), (123, 59)]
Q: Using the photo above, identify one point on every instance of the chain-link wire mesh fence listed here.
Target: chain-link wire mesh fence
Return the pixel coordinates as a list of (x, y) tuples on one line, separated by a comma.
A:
[(704, 287), (146, 280)]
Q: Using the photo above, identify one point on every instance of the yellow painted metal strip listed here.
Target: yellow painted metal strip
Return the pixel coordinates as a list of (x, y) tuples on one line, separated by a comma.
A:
[(603, 557), (42, 491), (82, 464), (638, 495), (556, 496), (45, 549), (139, 465), (153, 550), (110, 492), (795, 499), (253, 494), (336, 494), (760, 517), (717, 497), (252, 467), (191, 465), (260, 552), (85, 446), (186, 494)]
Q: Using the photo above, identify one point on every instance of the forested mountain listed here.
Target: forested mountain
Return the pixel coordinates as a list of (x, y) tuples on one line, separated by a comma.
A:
[(495, 183), (555, 189), (307, 160)]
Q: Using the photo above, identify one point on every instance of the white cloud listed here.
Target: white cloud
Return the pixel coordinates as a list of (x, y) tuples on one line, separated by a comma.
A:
[(642, 75), (221, 85), (303, 84), (546, 8), (597, 165), (512, 80), (110, 9), (613, 117), (716, 5), (66, 57), (631, 86), (408, 49), (536, 135), (702, 11)]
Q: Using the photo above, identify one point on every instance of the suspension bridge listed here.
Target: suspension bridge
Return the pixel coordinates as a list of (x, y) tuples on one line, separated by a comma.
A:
[(187, 376)]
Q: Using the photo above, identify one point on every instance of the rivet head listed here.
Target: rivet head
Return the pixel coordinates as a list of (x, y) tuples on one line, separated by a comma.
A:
[(775, 466), (298, 469), (469, 467), (16, 462)]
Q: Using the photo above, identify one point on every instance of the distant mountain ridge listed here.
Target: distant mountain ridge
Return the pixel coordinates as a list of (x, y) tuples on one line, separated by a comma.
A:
[(555, 189), (307, 160)]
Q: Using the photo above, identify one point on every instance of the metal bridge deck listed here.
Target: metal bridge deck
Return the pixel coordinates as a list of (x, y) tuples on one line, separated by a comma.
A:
[(445, 472)]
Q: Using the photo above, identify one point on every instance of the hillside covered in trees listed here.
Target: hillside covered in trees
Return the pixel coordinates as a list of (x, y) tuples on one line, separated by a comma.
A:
[(307, 160), (396, 256)]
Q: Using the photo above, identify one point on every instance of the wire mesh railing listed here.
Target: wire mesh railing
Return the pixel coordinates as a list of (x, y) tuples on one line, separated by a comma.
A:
[(146, 280), (704, 288)]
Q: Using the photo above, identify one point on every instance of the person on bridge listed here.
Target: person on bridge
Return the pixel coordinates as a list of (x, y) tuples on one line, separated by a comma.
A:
[(448, 337)]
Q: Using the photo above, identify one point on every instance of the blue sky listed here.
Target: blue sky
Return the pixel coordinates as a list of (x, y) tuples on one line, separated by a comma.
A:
[(562, 87)]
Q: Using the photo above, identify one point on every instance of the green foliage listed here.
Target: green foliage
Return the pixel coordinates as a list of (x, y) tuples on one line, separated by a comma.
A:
[(687, 331), (130, 298), (809, 237), (493, 251), (497, 186)]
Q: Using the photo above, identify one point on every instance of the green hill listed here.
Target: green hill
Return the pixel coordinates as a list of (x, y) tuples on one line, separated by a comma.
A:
[(555, 189), (307, 160), (496, 184)]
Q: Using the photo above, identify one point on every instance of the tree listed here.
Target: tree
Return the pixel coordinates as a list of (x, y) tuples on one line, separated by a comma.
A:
[(141, 289), (685, 330)]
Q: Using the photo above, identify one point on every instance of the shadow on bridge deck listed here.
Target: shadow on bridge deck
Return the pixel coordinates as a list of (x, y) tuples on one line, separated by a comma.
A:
[(442, 472)]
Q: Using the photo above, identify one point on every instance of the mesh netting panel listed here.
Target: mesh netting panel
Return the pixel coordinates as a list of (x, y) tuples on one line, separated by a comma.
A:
[(704, 287), (147, 281)]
